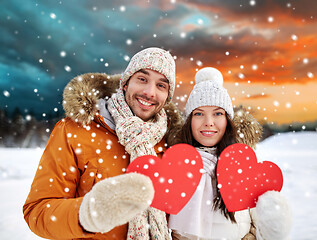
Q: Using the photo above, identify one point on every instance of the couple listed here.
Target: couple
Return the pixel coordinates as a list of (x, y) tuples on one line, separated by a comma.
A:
[(81, 190)]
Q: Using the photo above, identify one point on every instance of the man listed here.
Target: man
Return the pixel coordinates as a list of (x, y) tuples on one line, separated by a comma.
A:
[(80, 190)]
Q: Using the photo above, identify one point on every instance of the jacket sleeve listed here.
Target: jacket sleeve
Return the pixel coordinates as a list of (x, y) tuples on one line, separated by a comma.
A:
[(51, 209)]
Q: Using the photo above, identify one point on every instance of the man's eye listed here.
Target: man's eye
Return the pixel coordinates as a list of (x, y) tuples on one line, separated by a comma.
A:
[(161, 85), (142, 79)]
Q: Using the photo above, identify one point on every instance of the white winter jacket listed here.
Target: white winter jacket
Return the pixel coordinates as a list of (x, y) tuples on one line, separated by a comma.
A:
[(198, 220)]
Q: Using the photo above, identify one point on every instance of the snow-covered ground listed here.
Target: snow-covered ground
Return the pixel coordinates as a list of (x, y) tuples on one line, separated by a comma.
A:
[(17, 169), (295, 153)]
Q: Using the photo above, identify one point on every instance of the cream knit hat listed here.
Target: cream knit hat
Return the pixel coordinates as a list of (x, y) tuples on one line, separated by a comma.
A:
[(155, 59), (209, 91)]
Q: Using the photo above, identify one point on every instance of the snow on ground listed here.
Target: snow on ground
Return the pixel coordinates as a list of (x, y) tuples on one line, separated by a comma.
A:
[(294, 153), (17, 169)]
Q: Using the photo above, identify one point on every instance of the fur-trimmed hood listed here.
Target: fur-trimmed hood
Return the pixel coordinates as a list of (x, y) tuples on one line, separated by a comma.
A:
[(81, 95)]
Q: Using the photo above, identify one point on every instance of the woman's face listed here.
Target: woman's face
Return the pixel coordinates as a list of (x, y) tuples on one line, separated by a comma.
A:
[(208, 125)]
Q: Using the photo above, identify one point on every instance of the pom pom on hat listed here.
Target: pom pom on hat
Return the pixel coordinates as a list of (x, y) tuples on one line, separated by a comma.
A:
[(209, 74), (208, 91)]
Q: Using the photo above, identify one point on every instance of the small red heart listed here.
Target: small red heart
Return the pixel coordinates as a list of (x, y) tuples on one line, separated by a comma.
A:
[(175, 177), (241, 179)]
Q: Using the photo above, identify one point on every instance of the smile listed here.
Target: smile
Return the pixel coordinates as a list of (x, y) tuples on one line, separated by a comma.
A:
[(145, 104), (208, 133)]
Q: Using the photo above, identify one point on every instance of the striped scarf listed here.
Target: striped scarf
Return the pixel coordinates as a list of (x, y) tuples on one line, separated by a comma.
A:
[(139, 138)]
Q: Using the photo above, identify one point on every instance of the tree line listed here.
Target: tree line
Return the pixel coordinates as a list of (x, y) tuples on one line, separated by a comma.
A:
[(25, 130)]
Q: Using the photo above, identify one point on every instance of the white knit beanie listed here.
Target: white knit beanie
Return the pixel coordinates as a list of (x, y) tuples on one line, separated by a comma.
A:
[(156, 59), (209, 91)]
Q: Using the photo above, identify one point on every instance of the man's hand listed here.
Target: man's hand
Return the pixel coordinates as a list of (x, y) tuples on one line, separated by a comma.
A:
[(115, 201)]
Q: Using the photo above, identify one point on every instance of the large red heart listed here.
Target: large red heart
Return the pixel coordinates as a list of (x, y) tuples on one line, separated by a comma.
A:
[(175, 177), (241, 179)]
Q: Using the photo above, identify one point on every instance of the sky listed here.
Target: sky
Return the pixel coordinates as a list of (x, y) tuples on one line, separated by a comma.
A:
[(266, 50)]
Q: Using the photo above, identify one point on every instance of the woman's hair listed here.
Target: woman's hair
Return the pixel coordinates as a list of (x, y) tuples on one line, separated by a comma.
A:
[(229, 137)]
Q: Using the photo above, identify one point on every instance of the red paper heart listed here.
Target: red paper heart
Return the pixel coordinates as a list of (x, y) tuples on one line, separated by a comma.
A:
[(241, 179), (175, 177)]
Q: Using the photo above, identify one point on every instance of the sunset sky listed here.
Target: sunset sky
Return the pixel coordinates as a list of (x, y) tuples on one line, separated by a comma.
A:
[(266, 50)]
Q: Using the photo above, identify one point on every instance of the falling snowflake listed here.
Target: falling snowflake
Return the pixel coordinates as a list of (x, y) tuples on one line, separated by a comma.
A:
[(241, 75), (310, 74), (294, 37), (78, 150), (252, 2), (53, 16), (62, 54), (276, 103), (122, 8), (67, 68), (199, 63), (200, 21), (6, 93), (190, 175), (126, 58)]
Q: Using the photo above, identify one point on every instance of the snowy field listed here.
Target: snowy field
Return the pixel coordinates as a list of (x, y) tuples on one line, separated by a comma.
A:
[(294, 153)]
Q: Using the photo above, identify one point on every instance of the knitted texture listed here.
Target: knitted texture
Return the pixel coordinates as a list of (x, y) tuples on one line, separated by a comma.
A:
[(209, 91), (107, 204), (139, 138), (273, 217), (155, 59)]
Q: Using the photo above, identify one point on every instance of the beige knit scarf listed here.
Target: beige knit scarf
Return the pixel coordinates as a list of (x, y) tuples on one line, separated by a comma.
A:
[(139, 138)]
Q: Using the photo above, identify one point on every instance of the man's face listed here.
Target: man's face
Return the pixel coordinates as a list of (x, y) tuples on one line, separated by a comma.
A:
[(146, 93)]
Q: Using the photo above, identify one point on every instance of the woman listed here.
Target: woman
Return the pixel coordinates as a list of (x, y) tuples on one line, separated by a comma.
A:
[(210, 127)]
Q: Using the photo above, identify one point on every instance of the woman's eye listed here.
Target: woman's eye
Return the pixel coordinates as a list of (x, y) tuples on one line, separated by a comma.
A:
[(219, 113), (142, 79), (197, 114)]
